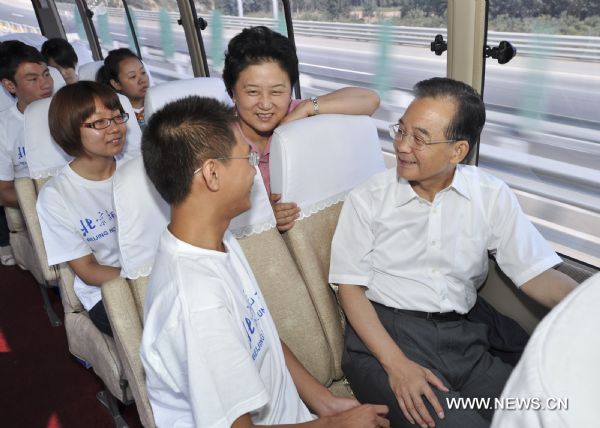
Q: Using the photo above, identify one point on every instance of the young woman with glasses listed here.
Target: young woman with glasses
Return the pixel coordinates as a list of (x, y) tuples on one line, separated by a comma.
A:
[(75, 208), (260, 70)]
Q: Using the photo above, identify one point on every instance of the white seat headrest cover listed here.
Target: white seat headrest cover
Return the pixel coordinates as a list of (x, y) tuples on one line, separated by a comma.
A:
[(88, 71), (59, 81), (142, 216), (45, 158), (163, 93), (316, 161), (259, 217)]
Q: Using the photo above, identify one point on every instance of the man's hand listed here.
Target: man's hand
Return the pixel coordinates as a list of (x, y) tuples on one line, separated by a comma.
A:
[(410, 382), (286, 213), (363, 416)]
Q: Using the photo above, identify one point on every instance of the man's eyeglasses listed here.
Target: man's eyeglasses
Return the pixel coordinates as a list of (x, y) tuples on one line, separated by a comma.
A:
[(105, 123), (252, 160), (417, 142)]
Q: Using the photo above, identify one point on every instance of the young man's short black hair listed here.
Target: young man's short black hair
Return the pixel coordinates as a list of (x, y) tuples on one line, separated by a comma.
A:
[(60, 51), (257, 45), (180, 137), (12, 54), (469, 117)]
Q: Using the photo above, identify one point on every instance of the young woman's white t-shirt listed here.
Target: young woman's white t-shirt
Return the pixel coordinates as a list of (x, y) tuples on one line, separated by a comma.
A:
[(210, 347), (77, 218)]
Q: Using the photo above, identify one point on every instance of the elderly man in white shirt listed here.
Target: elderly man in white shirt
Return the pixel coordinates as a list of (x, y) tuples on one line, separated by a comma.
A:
[(410, 250)]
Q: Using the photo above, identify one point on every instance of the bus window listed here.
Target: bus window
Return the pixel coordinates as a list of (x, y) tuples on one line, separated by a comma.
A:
[(71, 21), (112, 26), (162, 42), (384, 48), (17, 17), (542, 128)]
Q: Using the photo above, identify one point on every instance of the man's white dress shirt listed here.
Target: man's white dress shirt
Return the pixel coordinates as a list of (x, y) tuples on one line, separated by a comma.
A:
[(432, 257)]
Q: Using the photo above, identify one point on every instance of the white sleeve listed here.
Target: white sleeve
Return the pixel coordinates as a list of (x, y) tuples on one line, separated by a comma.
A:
[(218, 378), (352, 244), (520, 249), (62, 239), (7, 169)]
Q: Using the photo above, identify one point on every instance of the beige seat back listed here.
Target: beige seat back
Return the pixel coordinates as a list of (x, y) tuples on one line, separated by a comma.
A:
[(281, 283), (124, 302), (87, 343), (315, 162)]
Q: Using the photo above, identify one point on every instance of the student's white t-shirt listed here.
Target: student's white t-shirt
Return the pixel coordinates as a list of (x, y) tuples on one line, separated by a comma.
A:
[(210, 347), (77, 218), (13, 160)]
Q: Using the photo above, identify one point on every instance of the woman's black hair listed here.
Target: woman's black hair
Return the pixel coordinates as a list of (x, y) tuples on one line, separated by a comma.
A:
[(110, 70), (254, 46)]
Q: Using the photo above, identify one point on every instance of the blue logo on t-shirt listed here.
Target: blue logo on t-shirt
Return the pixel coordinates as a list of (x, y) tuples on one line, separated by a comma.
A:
[(256, 338)]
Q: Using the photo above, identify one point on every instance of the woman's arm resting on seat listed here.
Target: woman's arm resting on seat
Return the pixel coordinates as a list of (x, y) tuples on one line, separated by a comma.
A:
[(409, 381), (92, 273), (8, 195), (348, 100), (549, 287)]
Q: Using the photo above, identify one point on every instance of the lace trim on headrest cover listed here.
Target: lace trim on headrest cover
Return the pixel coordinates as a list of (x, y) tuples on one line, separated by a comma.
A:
[(306, 212), (252, 229), (142, 271)]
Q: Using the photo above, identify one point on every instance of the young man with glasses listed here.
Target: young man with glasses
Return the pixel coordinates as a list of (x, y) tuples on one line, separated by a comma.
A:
[(210, 348), (411, 249)]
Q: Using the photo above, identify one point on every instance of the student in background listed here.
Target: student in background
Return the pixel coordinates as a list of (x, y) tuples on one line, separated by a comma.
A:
[(260, 70), (124, 72), (75, 208), (60, 54), (24, 73)]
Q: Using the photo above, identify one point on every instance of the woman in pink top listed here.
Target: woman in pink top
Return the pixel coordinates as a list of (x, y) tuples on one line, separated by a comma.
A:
[(260, 70)]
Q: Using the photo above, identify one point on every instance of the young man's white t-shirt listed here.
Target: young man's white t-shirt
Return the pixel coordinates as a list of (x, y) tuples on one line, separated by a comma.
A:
[(13, 159), (210, 347), (77, 218)]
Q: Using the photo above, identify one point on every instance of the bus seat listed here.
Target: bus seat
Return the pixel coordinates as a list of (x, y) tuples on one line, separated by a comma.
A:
[(59, 81), (163, 93), (87, 343), (123, 300), (88, 71), (282, 285), (315, 162), (142, 216)]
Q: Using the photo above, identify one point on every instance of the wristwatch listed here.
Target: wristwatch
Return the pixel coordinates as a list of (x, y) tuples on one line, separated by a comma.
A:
[(315, 103)]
